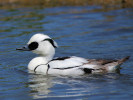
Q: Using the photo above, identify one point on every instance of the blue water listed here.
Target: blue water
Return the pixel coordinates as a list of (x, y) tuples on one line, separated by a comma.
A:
[(89, 32)]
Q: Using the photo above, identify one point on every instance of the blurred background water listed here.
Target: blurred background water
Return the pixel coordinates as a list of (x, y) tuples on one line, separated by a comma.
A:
[(87, 29)]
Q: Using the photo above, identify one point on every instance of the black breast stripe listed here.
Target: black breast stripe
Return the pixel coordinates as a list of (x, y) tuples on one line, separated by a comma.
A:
[(42, 64), (66, 68), (37, 67), (48, 69)]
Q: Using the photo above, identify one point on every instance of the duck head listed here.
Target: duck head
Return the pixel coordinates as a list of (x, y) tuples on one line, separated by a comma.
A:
[(41, 44)]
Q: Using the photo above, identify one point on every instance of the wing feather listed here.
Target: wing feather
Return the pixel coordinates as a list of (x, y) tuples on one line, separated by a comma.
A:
[(69, 62)]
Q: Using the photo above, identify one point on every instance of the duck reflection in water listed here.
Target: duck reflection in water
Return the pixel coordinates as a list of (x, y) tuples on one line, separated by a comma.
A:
[(40, 85)]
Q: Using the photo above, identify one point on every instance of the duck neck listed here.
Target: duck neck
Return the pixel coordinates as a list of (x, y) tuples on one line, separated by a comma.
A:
[(47, 58), (48, 54)]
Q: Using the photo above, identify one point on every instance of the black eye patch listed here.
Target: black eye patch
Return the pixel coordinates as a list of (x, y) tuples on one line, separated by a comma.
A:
[(51, 41), (33, 46)]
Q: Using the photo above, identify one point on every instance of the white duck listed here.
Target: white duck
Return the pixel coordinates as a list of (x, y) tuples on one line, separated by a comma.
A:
[(45, 46)]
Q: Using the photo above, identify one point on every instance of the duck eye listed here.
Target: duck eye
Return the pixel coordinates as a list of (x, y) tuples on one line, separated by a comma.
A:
[(33, 46)]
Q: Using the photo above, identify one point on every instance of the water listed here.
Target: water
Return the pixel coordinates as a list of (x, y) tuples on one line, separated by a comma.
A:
[(89, 32)]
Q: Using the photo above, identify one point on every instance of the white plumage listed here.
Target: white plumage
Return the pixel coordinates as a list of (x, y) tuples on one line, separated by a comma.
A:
[(44, 46)]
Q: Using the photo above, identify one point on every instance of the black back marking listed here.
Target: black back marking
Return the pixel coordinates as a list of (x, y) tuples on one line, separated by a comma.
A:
[(87, 70), (51, 41), (33, 46), (61, 58)]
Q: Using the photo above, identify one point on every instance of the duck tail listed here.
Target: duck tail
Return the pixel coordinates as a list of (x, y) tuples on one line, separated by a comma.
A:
[(123, 60)]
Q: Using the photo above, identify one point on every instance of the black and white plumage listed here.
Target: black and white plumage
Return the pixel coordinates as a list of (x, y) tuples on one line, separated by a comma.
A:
[(44, 46)]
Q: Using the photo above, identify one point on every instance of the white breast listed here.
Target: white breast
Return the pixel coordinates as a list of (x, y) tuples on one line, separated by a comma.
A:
[(35, 62)]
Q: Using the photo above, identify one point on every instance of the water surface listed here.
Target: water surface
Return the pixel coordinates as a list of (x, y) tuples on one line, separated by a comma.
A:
[(89, 32)]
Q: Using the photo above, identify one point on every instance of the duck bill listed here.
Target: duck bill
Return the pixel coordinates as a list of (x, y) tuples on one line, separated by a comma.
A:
[(23, 49)]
